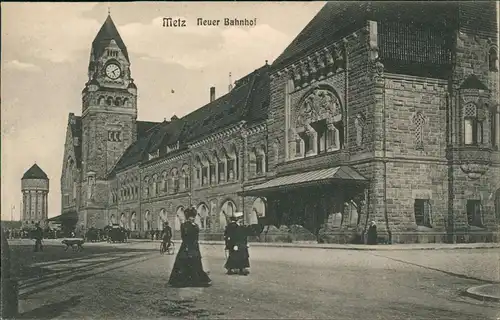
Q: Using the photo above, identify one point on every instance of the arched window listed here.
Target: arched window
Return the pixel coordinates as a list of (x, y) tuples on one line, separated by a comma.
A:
[(260, 160), (221, 167), (493, 59), (252, 162), (154, 186), (473, 128), (146, 187), (418, 130), (212, 167), (147, 221), (174, 174), (198, 167), (232, 164), (133, 222), (205, 174), (185, 177)]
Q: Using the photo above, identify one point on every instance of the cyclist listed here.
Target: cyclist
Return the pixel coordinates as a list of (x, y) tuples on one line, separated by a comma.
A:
[(166, 236)]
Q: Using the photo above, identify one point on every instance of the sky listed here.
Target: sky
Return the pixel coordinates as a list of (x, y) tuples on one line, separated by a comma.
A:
[(45, 49)]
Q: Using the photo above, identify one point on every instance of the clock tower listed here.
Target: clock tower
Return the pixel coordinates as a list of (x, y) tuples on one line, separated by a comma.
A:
[(109, 113)]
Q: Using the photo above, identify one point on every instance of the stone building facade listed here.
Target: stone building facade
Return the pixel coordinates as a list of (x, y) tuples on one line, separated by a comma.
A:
[(35, 190), (384, 117)]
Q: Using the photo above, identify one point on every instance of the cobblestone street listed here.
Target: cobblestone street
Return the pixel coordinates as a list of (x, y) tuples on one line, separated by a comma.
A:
[(128, 281)]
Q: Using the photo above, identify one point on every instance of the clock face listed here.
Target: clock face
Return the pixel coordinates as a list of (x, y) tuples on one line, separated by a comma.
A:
[(113, 71)]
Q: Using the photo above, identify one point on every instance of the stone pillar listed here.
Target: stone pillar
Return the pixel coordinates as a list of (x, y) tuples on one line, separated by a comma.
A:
[(497, 128)]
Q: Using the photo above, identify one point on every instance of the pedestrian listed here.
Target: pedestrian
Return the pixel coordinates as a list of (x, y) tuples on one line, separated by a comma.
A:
[(188, 269), (38, 235), (166, 236), (372, 233), (236, 238)]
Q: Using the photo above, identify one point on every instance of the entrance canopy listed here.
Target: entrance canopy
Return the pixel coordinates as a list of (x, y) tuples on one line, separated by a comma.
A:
[(303, 179)]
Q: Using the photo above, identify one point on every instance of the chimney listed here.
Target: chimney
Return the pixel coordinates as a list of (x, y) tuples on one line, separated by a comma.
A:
[(212, 94)]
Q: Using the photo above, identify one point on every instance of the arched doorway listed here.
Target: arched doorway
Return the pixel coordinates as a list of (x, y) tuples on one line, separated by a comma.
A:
[(123, 220), (147, 219), (203, 216), (179, 218), (258, 209), (133, 222), (227, 210), (162, 218), (112, 219)]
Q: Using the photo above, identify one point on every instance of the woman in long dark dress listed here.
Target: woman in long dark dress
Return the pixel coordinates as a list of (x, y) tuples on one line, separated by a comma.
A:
[(188, 269)]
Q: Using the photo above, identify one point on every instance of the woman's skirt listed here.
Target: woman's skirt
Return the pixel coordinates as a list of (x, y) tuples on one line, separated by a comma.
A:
[(238, 259), (188, 272)]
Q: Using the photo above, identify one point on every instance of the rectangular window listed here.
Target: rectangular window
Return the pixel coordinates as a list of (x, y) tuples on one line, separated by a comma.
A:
[(297, 147), (212, 173), (204, 175), (422, 211), (474, 217), (221, 171), (258, 164), (231, 169), (331, 139), (473, 131), (176, 185), (308, 145)]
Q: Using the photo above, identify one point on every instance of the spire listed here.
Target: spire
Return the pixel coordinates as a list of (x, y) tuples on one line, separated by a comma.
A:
[(107, 33)]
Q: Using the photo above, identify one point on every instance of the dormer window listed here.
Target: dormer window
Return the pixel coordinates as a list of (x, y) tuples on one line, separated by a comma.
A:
[(153, 155)]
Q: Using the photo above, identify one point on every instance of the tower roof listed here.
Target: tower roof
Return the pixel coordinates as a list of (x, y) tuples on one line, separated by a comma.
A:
[(35, 172), (107, 33)]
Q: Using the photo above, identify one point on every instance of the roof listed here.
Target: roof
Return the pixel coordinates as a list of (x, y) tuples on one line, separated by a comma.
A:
[(249, 101), (473, 82), (306, 178), (400, 48), (35, 172), (107, 33)]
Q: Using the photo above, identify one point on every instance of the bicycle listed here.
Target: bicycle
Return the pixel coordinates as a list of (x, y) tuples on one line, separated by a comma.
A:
[(170, 250)]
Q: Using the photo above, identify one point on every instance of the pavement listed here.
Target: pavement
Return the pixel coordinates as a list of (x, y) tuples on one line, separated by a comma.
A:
[(383, 247), (128, 281)]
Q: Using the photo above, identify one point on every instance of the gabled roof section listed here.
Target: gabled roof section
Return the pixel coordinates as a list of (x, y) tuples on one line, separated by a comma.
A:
[(435, 20), (473, 82), (35, 172), (107, 33), (76, 132), (239, 104), (334, 20), (248, 101), (136, 152), (144, 126)]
